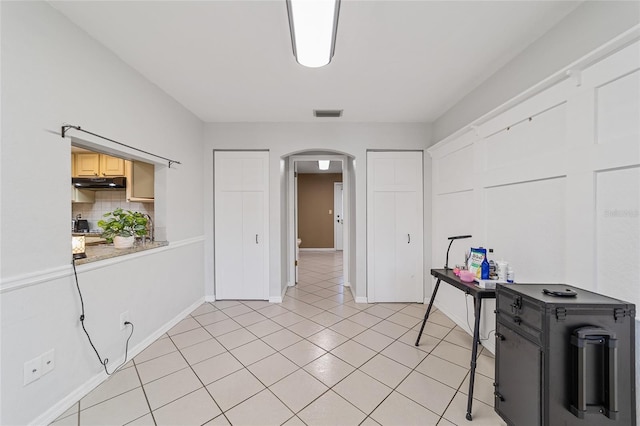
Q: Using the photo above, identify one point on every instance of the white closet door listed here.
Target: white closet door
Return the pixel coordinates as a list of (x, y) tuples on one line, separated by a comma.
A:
[(384, 239), (253, 286), (394, 227), (241, 225), (229, 250), (408, 248)]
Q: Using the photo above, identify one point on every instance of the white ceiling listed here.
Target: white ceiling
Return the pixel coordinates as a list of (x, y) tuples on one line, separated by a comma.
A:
[(312, 167), (395, 61)]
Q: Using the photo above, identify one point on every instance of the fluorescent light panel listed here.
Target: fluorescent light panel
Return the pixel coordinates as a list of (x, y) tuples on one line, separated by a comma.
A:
[(323, 164), (313, 25)]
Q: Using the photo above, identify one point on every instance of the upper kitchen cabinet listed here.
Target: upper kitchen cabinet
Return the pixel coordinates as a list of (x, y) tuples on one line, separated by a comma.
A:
[(86, 164), (111, 166), (93, 164), (140, 181)]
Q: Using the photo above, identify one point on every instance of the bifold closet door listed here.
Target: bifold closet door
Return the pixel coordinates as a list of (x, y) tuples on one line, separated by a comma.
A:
[(241, 224), (394, 227)]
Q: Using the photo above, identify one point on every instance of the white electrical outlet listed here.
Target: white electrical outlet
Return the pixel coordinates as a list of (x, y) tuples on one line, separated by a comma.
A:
[(124, 317), (32, 370), (48, 361)]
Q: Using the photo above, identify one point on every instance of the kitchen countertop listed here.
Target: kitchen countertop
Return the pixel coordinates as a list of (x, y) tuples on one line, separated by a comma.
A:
[(92, 241), (86, 234), (107, 251)]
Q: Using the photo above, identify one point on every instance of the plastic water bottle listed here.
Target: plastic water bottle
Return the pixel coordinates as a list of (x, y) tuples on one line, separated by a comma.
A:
[(510, 275), (484, 271)]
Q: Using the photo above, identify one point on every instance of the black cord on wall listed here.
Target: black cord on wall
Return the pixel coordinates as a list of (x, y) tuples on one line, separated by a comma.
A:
[(82, 317), (466, 302)]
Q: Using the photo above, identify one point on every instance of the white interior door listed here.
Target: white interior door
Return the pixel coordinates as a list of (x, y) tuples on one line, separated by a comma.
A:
[(229, 250), (382, 252), (241, 225), (253, 279), (394, 227), (338, 216), (408, 262)]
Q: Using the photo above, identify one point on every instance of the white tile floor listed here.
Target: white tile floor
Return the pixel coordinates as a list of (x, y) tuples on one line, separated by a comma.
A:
[(317, 358)]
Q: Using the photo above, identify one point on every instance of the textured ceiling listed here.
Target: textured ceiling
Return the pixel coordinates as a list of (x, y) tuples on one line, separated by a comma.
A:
[(395, 61)]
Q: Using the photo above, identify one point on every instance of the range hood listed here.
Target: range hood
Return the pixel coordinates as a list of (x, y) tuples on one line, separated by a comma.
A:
[(99, 183)]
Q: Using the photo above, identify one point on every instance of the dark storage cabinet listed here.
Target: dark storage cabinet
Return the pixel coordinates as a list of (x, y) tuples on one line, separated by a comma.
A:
[(564, 361)]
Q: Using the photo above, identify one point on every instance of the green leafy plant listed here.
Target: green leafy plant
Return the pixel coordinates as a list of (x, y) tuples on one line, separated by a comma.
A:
[(122, 223)]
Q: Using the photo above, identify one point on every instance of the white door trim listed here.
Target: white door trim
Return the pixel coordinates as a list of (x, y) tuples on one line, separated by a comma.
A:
[(338, 217), (292, 212), (295, 227)]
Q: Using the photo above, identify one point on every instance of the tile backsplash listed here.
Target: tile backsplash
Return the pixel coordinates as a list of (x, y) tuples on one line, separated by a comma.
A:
[(107, 201)]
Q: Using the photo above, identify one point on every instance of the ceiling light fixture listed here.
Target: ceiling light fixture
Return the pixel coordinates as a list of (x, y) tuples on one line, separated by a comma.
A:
[(323, 164), (313, 25)]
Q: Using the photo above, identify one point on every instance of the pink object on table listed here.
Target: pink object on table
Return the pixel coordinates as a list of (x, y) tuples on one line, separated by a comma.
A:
[(467, 276)]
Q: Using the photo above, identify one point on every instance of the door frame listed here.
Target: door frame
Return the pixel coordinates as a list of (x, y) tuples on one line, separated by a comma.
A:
[(292, 212), (335, 219)]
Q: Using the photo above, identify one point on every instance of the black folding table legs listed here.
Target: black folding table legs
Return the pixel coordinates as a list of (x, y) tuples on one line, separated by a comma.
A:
[(477, 303), (426, 316)]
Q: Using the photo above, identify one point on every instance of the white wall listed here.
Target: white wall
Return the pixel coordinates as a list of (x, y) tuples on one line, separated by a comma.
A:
[(53, 73), (589, 26), (552, 185), (283, 139)]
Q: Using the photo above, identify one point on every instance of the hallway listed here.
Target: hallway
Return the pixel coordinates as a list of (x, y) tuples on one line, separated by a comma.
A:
[(317, 359)]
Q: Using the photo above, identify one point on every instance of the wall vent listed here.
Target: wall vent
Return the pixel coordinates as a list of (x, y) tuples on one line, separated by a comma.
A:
[(327, 113)]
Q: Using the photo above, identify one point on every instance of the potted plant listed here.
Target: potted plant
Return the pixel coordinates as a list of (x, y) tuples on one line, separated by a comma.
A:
[(122, 226)]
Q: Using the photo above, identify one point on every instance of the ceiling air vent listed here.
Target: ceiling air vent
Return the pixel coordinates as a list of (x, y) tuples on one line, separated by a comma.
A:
[(327, 113)]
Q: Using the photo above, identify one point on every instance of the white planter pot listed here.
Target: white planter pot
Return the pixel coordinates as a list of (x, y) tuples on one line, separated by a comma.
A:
[(123, 242)]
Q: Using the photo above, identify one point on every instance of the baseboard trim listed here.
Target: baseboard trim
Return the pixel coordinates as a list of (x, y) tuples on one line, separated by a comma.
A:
[(317, 249), (63, 405), (361, 300), (210, 298), (278, 299), (352, 291)]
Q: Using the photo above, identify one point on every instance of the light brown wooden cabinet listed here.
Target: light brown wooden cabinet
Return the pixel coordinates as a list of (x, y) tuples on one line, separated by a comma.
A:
[(140, 181), (111, 166), (93, 164), (86, 165)]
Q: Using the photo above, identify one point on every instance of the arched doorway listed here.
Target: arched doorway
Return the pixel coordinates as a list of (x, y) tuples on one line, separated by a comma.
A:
[(292, 162)]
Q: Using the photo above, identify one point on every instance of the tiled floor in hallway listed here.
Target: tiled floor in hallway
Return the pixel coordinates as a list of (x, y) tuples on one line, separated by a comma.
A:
[(317, 359)]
